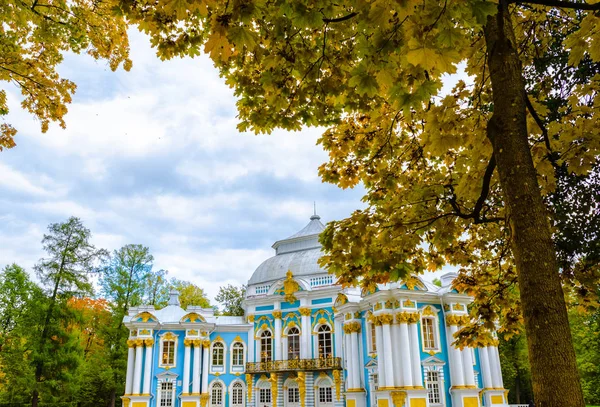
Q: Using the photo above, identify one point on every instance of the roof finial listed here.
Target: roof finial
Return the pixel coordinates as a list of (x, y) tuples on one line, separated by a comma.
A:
[(315, 216)]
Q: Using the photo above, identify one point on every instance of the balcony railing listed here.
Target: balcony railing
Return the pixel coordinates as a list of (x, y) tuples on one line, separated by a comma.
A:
[(294, 365)]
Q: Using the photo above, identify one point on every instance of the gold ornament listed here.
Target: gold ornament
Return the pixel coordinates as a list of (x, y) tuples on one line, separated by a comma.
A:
[(337, 380), (305, 311), (277, 314), (290, 286)]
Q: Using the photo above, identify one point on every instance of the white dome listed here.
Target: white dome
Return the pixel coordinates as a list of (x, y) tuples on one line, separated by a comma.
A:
[(298, 253)]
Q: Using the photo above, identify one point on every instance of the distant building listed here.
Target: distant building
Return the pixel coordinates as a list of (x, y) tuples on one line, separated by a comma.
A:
[(305, 342)]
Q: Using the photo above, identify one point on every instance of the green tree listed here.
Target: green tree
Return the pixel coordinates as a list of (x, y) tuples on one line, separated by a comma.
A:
[(156, 288), (231, 299), (586, 337), (35, 35), (123, 282), (516, 371), (64, 273), (457, 179), (190, 294), (16, 290)]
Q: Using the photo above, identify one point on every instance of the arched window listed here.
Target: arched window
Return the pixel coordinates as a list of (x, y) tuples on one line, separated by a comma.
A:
[(429, 333), (237, 394), (324, 395), (237, 355), (266, 346), (293, 338), (216, 395), (168, 350), (218, 354), (325, 349), (293, 395)]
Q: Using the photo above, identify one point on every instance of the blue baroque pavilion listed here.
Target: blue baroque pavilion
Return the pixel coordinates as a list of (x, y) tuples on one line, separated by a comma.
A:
[(306, 342)]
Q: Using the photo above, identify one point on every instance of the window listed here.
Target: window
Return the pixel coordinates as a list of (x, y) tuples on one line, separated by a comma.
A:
[(325, 395), (373, 338), (237, 355), (433, 387), (237, 394), (429, 334), (218, 354), (375, 381), (216, 395), (293, 343), (166, 395), (266, 346), (293, 395), (168, 353), (264, 396), (325, 350)]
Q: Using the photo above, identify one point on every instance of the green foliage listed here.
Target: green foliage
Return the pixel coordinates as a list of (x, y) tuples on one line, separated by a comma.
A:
[(231, 297), (190, 294)]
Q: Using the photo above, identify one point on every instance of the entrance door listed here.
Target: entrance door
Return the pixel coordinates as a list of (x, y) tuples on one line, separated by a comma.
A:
[(264, 398), (325, 397)]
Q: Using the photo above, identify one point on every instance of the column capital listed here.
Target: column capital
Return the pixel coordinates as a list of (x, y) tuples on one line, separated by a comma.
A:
[(385, 319), (131, 343), (351, 327), (206, 343), (250, 317), (188, 342), (277, 314), (453, 319), (139, 342), (305, 311), (148, 342)]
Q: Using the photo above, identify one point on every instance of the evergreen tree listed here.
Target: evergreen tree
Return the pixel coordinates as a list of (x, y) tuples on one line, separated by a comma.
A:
[(64, 273)]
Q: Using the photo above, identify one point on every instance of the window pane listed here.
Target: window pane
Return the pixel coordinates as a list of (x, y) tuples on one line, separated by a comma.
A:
[(293, 395), (265, 395), (166, 395), (325, 349), (433, 387), (293, 344), (168, 353), (325, 395)]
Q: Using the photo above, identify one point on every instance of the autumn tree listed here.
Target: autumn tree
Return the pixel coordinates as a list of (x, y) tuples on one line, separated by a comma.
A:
[(189, 294), (64, 273), (231, 299), (34, 37), (457, 178)]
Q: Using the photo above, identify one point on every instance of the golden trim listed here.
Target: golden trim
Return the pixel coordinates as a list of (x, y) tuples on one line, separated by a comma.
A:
[(305, 311)]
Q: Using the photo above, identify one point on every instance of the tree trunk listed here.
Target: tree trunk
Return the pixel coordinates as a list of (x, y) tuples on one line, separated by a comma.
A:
[(554, 372)]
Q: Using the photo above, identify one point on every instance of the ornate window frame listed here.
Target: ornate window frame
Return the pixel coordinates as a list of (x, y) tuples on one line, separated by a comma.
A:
[(324, 382), (232, 350), (433, 364), (287, 385), (317, 341), (168, 337), (213, 367), (260, 345), (370, 334), (211, 388), (286, 342), (429, 312), (164, 378), (231, 393)]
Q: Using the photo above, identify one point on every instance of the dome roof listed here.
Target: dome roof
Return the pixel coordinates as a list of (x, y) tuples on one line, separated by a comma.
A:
[(298, 253)]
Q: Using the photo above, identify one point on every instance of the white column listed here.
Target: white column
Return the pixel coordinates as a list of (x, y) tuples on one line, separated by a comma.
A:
[(251, 342), (148, 366), (467, 361), (396, 355), (486, 373), (277, 343), (130, 367), (456, 366), (204, 366), (381, 361), (405, 356), (196, 367), (350, 362), (415, 355), (137, 373), (337, 339), (387, 355), (305, 339), (356, 372), (186, 366), (495, 365)]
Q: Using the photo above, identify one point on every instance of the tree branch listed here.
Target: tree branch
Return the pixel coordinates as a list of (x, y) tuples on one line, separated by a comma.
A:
[(561, 4), (542, 126), (340, 19)]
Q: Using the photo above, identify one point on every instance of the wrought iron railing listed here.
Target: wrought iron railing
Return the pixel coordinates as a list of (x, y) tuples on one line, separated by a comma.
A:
[(293, 365)]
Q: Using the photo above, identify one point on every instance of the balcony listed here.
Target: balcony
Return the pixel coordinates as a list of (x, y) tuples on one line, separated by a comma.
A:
[(294, 365)]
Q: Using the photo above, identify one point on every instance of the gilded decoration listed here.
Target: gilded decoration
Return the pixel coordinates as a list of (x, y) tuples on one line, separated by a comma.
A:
[(351, 327), (146, 316), (407, 317), (357, 315), (249, 384), (139, 342), (398, 398), (408, 304), (458, 307), (386, 319), (144, 332), (149, 342), (446, 307), (301, 380), (169, 336), (454, 319), (337, 380), (205, 343), (348, 316), (250, 318), (131, 343), (389, 304), (192, 332), (204, 333), (204, 399), (193, 318), (378, 306), (428, 311), (277, 314), (238, 339), (305, 311), (273, 381), (322, 317), (396, 304), (290, 287), (262, 323), (188, 342)]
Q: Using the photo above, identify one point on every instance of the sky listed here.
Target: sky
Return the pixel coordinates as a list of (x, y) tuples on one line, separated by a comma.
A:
[(153, 157)]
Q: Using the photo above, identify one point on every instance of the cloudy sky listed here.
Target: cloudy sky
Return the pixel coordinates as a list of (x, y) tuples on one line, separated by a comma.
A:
[(152, 156)]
